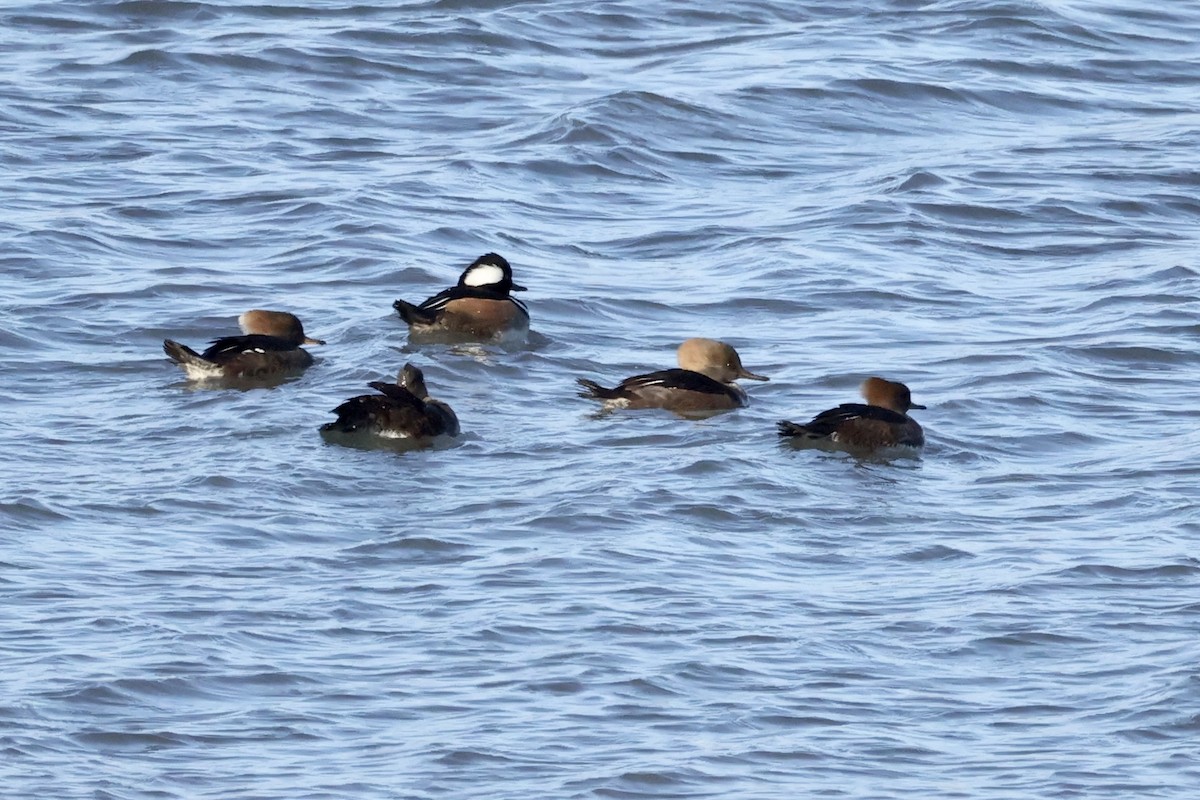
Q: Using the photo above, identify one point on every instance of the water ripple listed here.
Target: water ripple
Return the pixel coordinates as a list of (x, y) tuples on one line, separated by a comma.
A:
[(992, 201)]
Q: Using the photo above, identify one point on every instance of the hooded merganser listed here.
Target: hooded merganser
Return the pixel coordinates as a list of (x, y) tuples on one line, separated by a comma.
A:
[(883, 422), (703, 382), (402, 410), (270, 347), (479, 308)]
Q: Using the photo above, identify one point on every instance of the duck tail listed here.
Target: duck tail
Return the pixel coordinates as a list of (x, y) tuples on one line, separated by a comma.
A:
[(794, 429), (351, 416), (339, 426), (595, 391), (413, 314), (182, 354)]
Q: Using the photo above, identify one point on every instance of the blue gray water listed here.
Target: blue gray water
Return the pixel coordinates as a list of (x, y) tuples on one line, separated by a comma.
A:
[(995, 201)]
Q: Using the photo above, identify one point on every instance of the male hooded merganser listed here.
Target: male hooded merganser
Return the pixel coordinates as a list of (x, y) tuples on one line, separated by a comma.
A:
[(402, 410), (703, 382), (480, 307), (883, 422), (270, 347)]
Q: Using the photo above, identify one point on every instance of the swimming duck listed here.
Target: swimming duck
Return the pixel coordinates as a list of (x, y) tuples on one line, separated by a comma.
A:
[(480, 307), (401, 410), (704, 381), (883, 422), (269, 347)]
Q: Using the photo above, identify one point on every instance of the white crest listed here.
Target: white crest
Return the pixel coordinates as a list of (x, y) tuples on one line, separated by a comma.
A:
[(484, 275)]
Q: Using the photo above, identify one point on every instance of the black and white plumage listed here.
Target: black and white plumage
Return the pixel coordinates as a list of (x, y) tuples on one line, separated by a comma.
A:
[(401, 411), (479, 308), (703, 382), (881, 423), (269, 348)]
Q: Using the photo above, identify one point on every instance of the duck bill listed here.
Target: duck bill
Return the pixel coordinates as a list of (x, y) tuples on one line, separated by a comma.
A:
[(516, 287), (750, 376), (914, 405), (310, 340)]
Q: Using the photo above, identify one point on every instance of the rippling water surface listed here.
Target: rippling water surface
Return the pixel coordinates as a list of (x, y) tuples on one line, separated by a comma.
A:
[(995, 202)]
